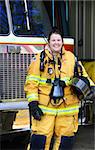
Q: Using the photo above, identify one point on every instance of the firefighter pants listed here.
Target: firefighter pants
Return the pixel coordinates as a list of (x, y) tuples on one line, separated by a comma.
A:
[(58, 126)]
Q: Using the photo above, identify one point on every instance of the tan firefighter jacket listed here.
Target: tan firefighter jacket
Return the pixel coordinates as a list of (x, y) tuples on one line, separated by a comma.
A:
[(38, 89)]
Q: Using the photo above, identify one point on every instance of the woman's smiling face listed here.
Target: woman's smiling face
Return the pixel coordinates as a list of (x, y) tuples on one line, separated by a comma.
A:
[(55, 42)]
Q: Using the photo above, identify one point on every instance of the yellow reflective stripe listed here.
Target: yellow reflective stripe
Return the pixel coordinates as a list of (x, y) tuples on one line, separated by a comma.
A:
[(43, 80), (68, 111), (37, 78), (67, 80), (32, 97), (48, 110), (32, 78), (56, 111)]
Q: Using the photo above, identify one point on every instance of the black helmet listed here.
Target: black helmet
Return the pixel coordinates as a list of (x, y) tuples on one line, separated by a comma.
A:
[(81, 86)]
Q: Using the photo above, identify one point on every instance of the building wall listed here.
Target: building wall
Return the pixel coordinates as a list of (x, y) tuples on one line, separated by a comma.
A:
[(82, 28)]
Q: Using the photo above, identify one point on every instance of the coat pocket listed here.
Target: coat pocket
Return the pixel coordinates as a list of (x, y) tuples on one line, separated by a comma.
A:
[(44, 99)]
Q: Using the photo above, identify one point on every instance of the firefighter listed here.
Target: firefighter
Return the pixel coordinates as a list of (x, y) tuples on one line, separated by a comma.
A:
[(53, 104)]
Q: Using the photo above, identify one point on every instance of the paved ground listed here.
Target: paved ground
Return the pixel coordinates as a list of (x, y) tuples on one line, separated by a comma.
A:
[(85, 138)]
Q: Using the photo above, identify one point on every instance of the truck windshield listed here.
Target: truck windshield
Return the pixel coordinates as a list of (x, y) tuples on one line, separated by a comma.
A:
[(4, 27), (33, 17), (30, 17)]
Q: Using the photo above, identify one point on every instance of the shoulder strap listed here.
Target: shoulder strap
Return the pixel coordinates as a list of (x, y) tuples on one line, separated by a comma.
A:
[(77, 69), (42, 56)]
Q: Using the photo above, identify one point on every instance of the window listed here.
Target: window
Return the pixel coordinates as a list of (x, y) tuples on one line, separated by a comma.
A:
[(4, 28), (30, 18)]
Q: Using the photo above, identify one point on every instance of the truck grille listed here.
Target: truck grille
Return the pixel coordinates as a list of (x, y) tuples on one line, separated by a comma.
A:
[(13, 69)]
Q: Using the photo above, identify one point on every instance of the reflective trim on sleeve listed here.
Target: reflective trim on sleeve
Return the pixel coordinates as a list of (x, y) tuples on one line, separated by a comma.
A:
[(65, 111), (32, 97), (67, 80), (32, 78)]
